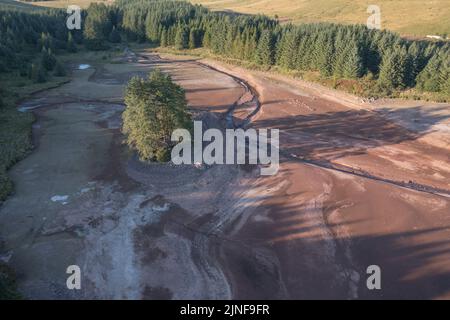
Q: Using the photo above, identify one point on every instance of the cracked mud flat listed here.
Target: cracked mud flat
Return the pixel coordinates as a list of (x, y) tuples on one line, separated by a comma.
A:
[(342, 200)]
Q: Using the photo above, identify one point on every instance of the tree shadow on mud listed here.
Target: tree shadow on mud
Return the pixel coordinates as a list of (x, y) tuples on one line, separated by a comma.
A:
[(197, 90), (318, 260), (332, 135)]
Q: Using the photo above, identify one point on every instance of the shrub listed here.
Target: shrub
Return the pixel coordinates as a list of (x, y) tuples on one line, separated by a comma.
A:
[(60, 70), (8, 288), (37, 73), (48, 60)]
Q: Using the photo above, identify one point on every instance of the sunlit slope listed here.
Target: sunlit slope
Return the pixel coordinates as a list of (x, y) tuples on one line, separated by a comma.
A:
[(16, 5), (66, 3), (408, 17)]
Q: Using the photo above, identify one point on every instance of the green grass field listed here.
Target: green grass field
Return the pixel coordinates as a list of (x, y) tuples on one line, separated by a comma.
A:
[(408, 17)]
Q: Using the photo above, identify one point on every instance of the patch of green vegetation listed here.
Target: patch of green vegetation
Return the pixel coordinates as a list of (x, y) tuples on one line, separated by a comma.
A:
[(365, 87), (155, 107), (350, 56), (15, 143), (8, 287), (16, 5), (15, 126)]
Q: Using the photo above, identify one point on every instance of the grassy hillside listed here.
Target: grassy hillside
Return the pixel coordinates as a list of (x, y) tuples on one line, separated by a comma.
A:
[(12, 4), (66, 3), (408, 17)]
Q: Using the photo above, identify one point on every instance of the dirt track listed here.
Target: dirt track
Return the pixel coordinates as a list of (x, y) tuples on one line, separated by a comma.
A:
[(344, 197)]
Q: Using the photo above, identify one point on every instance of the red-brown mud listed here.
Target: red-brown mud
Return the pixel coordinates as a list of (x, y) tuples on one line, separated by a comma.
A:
[(359, 184)]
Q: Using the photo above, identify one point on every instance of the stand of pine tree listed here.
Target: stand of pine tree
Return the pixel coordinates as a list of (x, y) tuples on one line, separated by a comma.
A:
[(26, 36), (30, 42), (338, 51), (155, 107)]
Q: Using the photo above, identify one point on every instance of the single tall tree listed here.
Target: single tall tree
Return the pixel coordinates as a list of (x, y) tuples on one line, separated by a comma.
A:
[(155, 107), (181, 38), (265, 53), (393, 68)]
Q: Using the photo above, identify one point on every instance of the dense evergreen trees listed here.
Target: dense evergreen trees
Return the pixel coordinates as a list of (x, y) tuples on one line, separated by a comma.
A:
[(434, 77), (60, 70), (155, 107), (338, 51), (30, 40), (98, 25), (18, 32), (48, 60), (333, 50), (71, 46), (194, 38), (392, 69), (114, 36), (265, 52), (181, 38)]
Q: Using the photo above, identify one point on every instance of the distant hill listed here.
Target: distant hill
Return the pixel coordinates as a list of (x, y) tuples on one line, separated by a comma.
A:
[(12, 4), (66, 3), (408, 17)]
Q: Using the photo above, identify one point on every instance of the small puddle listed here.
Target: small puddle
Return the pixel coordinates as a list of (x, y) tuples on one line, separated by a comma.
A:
[(84, 66), (61, 199), (30, 105)]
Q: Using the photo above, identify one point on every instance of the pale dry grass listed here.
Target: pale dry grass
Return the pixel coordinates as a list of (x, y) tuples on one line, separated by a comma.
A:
[(66, 3), (408, 17)]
